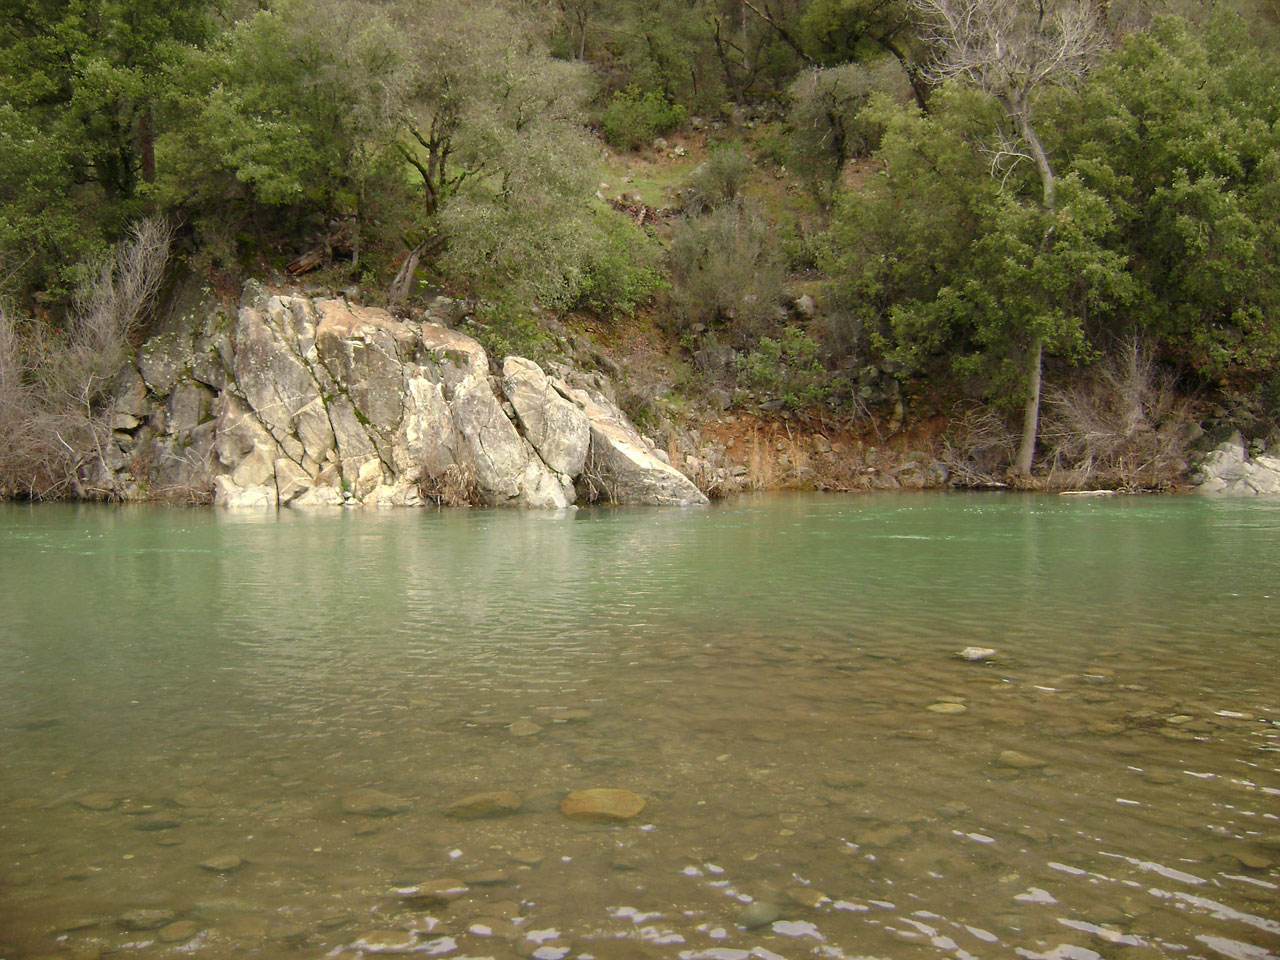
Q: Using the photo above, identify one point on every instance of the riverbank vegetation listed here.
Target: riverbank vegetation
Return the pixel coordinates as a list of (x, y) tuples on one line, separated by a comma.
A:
[(865, 212)]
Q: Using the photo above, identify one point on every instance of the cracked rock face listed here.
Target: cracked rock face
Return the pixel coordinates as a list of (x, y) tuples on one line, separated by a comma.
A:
[(317, 402)]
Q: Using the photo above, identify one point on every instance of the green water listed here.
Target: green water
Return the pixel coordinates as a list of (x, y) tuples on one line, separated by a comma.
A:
[(193, 702)]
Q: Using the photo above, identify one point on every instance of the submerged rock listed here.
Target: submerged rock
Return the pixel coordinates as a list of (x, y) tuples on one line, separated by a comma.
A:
[(1016, 760), (146, 919), (758, 914), (602, 804), (493, 804), (373, 803)]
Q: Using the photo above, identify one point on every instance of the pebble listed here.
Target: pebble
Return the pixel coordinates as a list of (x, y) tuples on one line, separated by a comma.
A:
[(807, 897), (568, 715), (844, 780), (882, 836), (146, 919), (433, 893), (947, 707), (953, 809), (1159, 777), (758, 914), (373, 803), (486, 878), (178, 932), (1016, 760), (157, 823), (1251, 860), (1105, 728), (387, 941), (195, 797), (245, 926), (524, 728), (223, 864), (976, 654), (627, 860), (78, 923), (602, 804), (97, 801), (530, 858), (497, 803)]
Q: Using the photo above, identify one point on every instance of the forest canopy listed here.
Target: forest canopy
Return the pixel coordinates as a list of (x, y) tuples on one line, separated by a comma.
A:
[(965, 221)]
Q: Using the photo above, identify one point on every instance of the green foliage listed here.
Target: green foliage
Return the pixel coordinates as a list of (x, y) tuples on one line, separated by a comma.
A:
[(506, 329), (947, 265), (718, 180), (900, 237), (726, 266), (786, 369), (634, 117), (829, 124), (295, 107), (79, 82), (1181, 134)]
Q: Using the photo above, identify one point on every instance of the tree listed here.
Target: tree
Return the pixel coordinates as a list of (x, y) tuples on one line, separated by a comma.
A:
[(838, 31), (1012, 50), (1180, 130), (79, 81)]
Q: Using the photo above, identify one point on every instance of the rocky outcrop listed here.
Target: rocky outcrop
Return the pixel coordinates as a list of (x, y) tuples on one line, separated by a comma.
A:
[(311, 402), (1228, 471)]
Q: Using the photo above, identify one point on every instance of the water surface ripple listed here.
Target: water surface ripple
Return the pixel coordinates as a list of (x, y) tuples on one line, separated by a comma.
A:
[(237, 734)]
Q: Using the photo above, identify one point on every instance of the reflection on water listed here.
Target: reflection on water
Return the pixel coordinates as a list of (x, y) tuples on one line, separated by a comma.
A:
[(238, 734)]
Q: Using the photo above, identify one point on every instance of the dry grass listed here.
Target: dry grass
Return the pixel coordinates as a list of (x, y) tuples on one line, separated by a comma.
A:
[(455, 486), (1123, 427), (54, 425)]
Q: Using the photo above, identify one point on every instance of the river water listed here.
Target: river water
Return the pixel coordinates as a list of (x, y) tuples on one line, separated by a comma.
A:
[(238, 734)]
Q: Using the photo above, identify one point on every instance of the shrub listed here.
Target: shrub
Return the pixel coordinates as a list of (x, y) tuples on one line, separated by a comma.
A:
[(719, 180), (725, 265), (786, 369), (633, 118), (1123, 426), (54, 384)]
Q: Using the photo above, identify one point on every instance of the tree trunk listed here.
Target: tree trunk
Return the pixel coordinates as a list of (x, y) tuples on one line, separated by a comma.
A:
[(147, 144), (1030, 413)]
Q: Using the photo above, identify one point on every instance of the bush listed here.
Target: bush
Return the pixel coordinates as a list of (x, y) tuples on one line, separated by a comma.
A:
[(633, 118), (719, 180), (621, 265), (786, 369), (725, 266), (54, 423), (1121, 427)]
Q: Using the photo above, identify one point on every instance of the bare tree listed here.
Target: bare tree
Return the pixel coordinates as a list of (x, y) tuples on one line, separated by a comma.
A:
[(1011, 50)]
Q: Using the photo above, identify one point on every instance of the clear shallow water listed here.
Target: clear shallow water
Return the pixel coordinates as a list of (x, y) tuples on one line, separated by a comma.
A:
[(181, 688)]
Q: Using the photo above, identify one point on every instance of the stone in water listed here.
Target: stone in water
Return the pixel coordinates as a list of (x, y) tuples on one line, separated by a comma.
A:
[(976, 654), (496, 803), (373, 803), (602, 804)]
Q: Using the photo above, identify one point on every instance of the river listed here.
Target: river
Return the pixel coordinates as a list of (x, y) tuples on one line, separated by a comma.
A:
[(238, 734)]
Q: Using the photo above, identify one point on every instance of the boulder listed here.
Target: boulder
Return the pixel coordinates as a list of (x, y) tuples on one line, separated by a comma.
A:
[(1227, 471), (319, 402), (620, 466)]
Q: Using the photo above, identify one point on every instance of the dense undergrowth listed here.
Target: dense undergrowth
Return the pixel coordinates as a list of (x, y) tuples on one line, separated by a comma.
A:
[(826, 210)]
